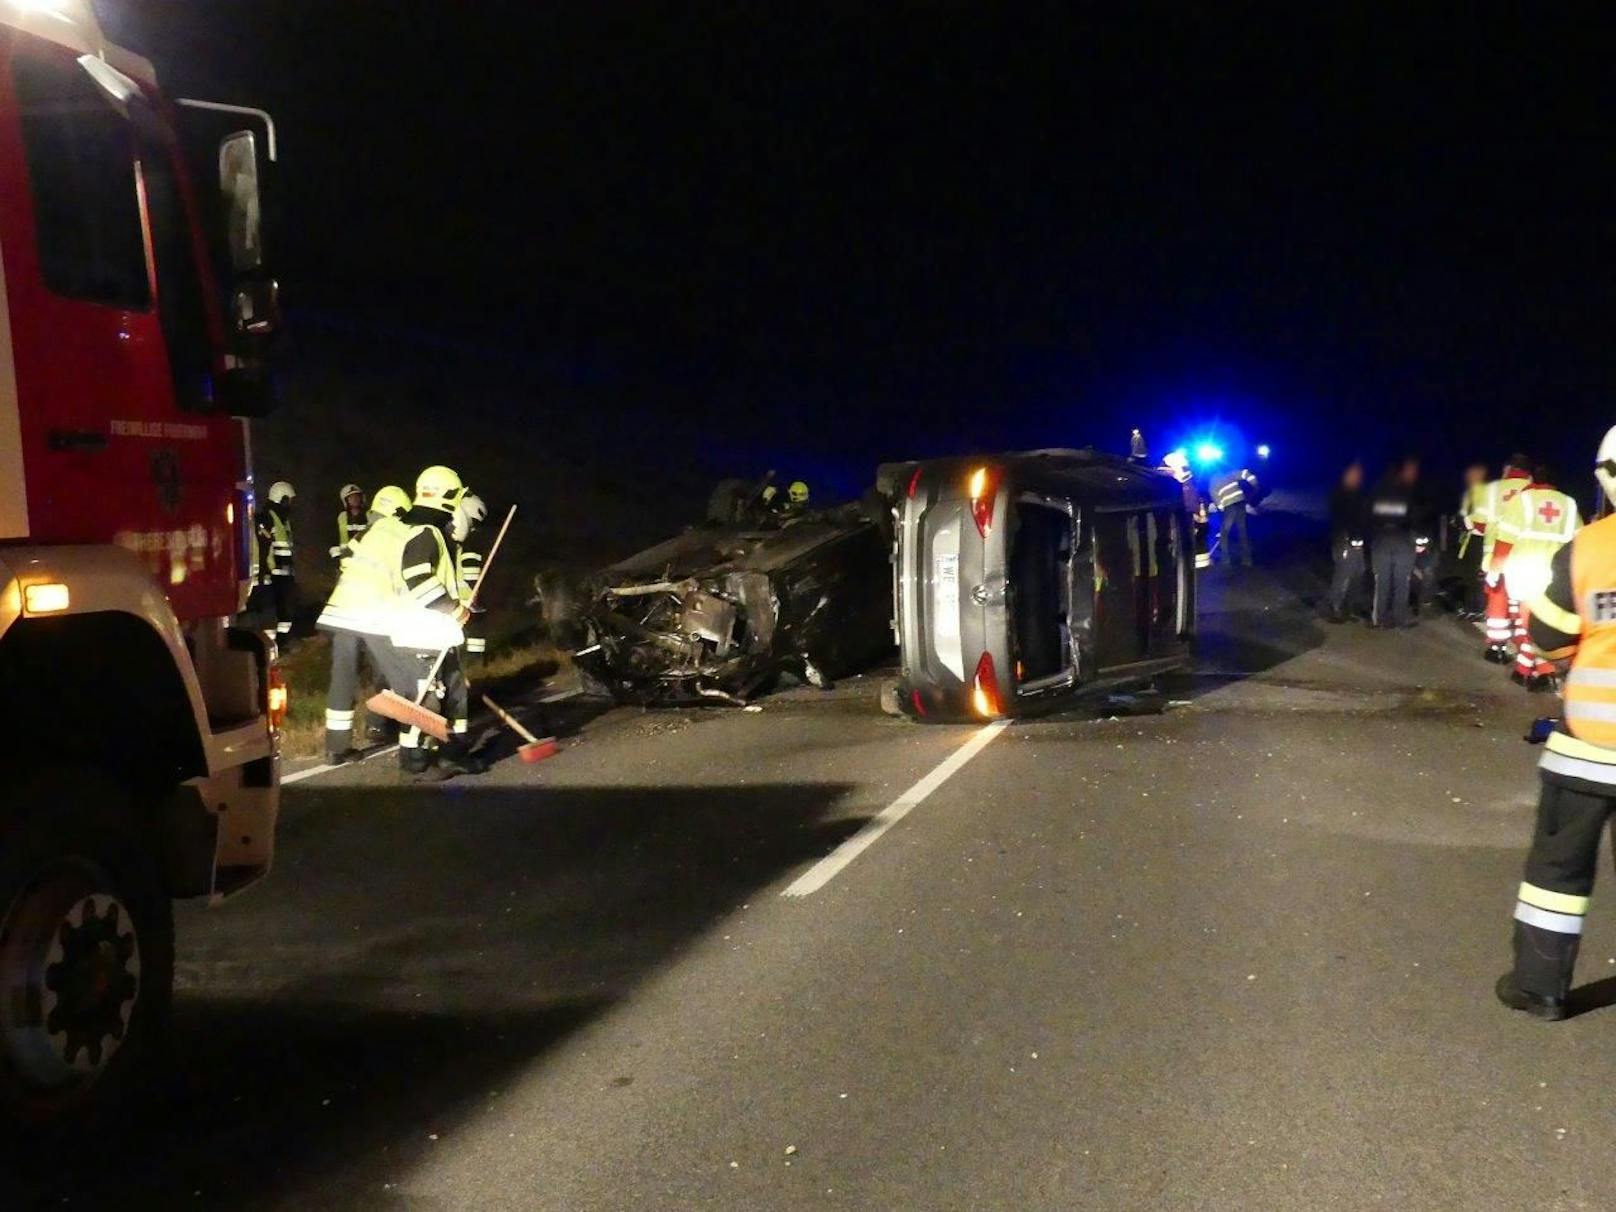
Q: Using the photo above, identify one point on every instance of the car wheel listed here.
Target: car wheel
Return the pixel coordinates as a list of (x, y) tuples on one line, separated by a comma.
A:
[(86, 951)]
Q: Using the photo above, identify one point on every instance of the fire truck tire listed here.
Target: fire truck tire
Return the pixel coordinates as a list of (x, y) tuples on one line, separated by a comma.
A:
[(86, 952)]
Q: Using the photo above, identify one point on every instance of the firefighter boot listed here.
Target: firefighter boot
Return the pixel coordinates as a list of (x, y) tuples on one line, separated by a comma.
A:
[(1509, 991), (457, 758)]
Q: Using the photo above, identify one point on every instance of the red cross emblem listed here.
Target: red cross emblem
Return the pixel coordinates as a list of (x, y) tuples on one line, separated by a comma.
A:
[(1550, 513)]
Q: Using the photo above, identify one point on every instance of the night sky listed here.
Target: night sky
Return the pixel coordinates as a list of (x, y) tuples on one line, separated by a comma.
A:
[(869, 231)]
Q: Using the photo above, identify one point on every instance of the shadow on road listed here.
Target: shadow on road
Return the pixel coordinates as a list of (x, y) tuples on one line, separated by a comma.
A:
[(415, 953)]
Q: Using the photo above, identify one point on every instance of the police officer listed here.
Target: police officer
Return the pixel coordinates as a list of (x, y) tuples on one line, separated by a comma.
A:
[(272, 558), (1347, 534), (1391, 525), (468, 516), (1574, 617), (352, 522), (427, 581), (1232, 494), (359, 617)]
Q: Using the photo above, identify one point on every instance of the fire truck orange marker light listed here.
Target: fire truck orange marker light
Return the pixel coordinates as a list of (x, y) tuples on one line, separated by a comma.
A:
[(49, 598)]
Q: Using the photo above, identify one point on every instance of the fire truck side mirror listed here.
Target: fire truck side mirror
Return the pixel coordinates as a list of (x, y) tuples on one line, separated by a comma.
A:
[(244, 215)]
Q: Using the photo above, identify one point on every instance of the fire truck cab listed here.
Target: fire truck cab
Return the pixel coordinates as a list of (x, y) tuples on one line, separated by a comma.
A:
[(139, 743)]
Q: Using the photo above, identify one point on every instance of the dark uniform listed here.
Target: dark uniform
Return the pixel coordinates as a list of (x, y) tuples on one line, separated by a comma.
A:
[(1391, 525), (272, 567), (429, 581), (1347, 533), (1575, 617)]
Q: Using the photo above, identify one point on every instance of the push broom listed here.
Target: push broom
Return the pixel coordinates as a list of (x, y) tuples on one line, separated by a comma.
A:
[(395, 706)]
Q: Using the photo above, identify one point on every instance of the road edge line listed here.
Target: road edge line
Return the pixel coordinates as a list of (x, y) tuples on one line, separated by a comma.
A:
[(827, 868)]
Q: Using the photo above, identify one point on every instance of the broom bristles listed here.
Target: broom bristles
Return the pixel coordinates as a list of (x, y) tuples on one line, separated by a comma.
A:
[(412, 715)]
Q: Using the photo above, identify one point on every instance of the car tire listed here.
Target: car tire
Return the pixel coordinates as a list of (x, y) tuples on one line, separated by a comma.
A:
[(86, 952)]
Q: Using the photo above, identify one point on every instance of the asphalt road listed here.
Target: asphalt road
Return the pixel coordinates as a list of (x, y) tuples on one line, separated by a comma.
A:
[(1234, 956)]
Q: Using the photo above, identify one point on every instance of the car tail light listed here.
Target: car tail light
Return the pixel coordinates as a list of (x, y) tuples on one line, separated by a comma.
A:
[(919, 703), (914, 484), (984, 487), (985, 688), (278, 699)]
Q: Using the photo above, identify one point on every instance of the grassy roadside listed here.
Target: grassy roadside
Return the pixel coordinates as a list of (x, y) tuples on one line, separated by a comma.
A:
[(516, 657)]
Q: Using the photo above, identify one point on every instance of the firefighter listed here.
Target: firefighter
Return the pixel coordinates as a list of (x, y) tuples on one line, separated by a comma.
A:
[(470, 514), (1391, 552), (1575, 618), (1177, 464), (428, 583), (1347, 534), (1469, 556), (352, 522), (359, 616), (1232, 495), (272, 558), (796, 500), (1499, 619), (1534, 524)]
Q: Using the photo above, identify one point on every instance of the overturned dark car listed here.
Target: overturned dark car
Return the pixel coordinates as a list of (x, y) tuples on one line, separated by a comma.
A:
[(718, 613)]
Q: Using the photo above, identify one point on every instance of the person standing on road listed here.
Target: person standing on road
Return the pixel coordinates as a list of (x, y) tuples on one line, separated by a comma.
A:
[(1347, 532), (1232, 494), (468, 516), (1575, 618), (431, 621), (1391, 521), (1137, 452), (1536, 523), (352, 522), (272, 562), (1494, 498), (358, 616), (1177, 464), (1471, 506)]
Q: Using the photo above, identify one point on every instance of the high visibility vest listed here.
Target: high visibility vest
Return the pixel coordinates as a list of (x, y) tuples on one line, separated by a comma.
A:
[(349, 531), (1497, 511), (280, 544), (1589, 736), (468, 571), (1536, 522), (1230, 492), (444, 566), (367, 591)]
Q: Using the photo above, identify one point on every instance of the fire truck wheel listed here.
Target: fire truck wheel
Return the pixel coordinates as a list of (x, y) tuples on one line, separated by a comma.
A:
[(86, 951)]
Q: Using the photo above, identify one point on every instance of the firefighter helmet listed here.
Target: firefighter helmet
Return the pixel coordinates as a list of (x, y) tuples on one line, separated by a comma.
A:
[(439, 487), (1605, 466), (350, 490), (389, 500), (797, 494), (281, 491)]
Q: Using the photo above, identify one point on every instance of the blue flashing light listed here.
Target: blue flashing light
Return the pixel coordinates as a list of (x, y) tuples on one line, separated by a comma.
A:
[(1264, 451), (1208, 453)]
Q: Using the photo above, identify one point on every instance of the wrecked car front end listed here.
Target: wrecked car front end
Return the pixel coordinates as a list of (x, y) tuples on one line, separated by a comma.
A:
[(718, 613)]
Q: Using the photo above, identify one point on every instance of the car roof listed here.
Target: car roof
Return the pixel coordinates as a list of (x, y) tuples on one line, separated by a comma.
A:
[(1087, 477)]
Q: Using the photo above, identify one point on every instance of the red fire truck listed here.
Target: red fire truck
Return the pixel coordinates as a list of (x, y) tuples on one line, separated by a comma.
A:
[(139, 737)]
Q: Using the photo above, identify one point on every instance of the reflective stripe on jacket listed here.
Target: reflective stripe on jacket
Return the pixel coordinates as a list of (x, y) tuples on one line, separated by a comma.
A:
[(1576, 616)]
